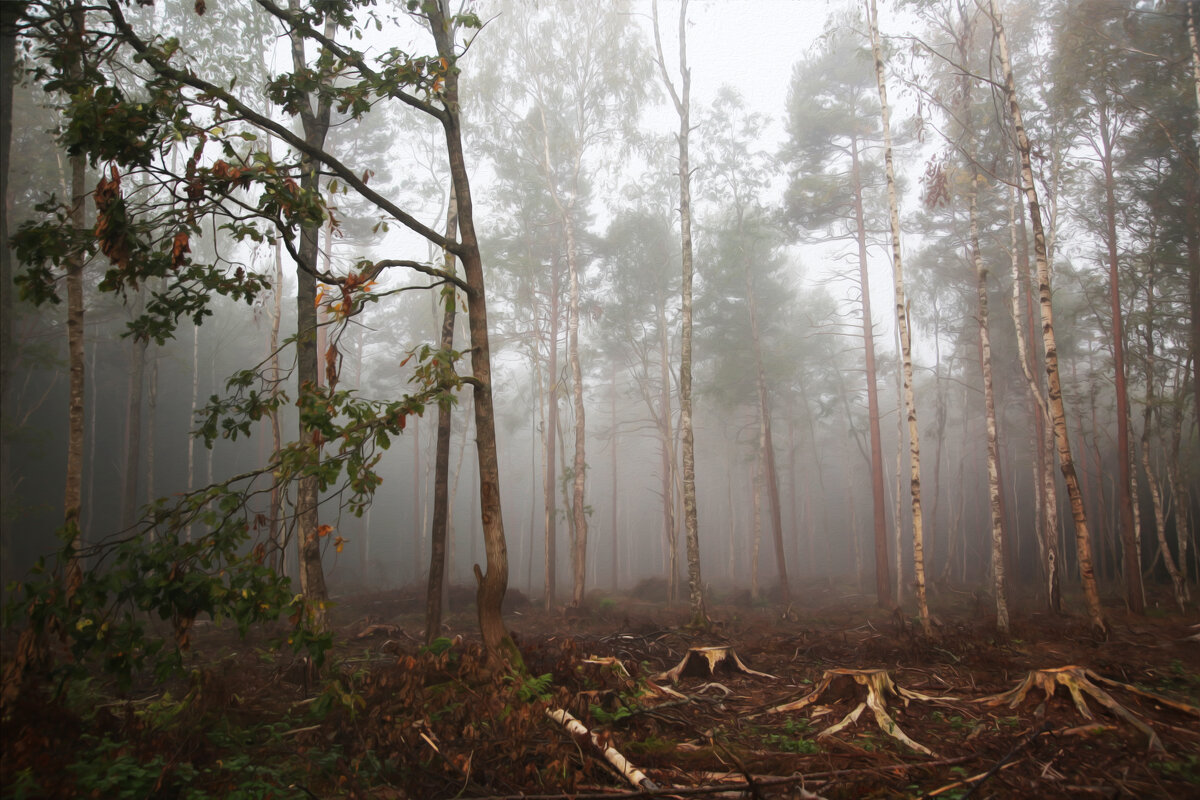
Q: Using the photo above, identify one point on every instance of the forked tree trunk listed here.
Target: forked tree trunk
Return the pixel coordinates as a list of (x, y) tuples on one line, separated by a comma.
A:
[(883, 580), (682, 101), (1057, 410), (441, 469), (914, 442), (1045, 491)]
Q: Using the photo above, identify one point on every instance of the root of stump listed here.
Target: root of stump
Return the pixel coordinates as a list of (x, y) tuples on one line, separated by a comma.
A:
[(879, 685), (1081, 683)]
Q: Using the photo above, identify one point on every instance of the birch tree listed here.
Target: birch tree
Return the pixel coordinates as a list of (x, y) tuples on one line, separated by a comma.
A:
[(681, 98), (902, 325), (1049, 346)]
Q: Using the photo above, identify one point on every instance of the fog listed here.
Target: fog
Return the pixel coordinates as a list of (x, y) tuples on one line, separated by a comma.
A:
[(570, 143)]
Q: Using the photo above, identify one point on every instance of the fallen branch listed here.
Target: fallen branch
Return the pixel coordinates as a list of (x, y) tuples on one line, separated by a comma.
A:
[(577, 729)]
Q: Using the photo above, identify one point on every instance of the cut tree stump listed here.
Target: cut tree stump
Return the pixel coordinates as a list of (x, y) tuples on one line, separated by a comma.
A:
[(706, 662), (850, 683), (1080, 683)]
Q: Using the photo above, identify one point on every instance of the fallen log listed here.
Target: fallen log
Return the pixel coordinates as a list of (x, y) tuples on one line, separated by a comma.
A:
[(591, 739)]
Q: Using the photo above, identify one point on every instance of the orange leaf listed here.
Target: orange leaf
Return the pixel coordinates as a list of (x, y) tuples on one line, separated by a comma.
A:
[(324, 530)]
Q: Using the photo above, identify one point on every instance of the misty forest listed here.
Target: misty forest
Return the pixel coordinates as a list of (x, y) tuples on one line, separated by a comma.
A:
[(496, 398)]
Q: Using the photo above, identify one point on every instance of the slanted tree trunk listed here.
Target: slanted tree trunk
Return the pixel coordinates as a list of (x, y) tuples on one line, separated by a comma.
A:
[(883, 580), (1044, 488), (1050, 347), (914, 442), (492, 583), (682, 102), (441, 469), (315, 121)]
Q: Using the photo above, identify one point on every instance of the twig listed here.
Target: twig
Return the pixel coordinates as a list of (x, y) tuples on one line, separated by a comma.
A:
[(1046, 726)]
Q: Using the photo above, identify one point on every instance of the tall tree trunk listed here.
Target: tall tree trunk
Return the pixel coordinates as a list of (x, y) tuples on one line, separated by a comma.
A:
[(1160, 524), (550, 471), (1192, 9), (1057, 411), (10, 15), (616, 493), (883, 580), (278, 559), (766, 444), (914, 442), (133, 431), (579, 465), (441, 470), (667, 458), (756, 482), (995, 498), (492, 584), (1131, 554), (315, 121), (682, 101), (73, 489), (1046, 525)]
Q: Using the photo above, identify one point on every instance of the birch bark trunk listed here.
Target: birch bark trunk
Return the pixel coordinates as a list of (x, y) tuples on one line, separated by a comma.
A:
[(1050, 348), (682, 101), (914, 441)]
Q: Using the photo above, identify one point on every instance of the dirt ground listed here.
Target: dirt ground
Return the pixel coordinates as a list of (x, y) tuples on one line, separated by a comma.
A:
[(404, 721)]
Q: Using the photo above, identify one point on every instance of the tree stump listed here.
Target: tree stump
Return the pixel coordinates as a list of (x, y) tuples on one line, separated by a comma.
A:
[(707, 662), (1080, 684), (843, 684)]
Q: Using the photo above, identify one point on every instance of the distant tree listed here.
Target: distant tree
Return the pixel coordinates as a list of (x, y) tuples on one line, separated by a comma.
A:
[(831, 174), (738, 175)]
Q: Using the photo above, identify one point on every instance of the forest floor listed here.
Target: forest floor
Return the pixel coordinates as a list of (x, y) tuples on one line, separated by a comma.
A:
[(882, 710)]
